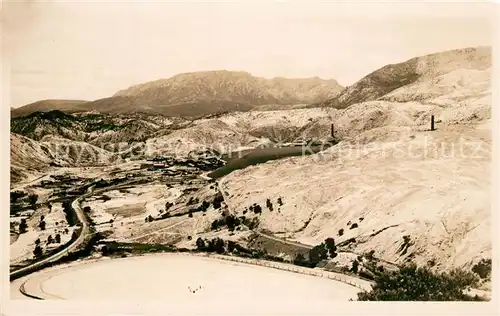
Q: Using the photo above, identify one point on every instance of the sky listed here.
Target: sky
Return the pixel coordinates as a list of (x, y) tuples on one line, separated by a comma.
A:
[(91, 49)]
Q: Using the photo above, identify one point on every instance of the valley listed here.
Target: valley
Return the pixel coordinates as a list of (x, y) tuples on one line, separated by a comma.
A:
[(344, 187)]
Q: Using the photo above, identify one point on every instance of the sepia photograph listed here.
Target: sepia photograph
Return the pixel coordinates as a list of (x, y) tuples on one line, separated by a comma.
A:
[(258, 157)]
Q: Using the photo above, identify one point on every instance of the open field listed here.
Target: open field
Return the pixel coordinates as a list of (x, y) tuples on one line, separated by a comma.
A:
[(174, 278)]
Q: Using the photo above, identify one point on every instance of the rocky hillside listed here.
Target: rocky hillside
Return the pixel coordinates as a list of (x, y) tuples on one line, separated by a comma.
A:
[(414, 79), (28, 156), (94, 128)]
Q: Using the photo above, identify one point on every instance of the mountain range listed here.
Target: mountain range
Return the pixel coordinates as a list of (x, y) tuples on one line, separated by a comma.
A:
[(200, 93)]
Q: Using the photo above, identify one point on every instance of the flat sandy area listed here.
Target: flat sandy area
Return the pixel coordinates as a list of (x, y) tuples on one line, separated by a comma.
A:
[(175, 278)]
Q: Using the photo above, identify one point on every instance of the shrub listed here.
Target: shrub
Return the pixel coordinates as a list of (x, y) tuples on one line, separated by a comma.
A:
[(369, 255), (168, 205), (190, 214), (38, 251), (33, 199), (86, 209), (217, 223), (49, 239), (23, 226), (37, 241), (200, 243), (412, 283), (257, 209), (483, 268), (341, 232), (355, 266), (42, 225), (354, 225), (217, 202), (58, 238), (280, 201), (269, 205)]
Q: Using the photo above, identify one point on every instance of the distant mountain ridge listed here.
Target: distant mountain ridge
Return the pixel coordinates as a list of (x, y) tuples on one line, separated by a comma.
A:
[(45, 106), (202, 93)]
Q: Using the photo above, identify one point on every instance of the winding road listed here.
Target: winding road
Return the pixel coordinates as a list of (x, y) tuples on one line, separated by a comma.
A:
[(85, 231)]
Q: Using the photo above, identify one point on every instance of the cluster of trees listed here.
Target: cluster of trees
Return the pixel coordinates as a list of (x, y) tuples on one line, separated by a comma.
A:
[(323, 251), (256, 208), (483, 268), (233, 222), (412, 283), (211, 245), (230, 221)]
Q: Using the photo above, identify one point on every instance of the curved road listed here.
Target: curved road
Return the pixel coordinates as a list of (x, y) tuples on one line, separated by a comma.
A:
[(81, 238)]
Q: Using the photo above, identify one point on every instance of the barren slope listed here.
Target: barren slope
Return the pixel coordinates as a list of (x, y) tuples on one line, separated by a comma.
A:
[(415, 72), (414, 186)]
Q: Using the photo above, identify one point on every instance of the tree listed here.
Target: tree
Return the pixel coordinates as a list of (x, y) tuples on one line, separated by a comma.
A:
[(269, 205), (23, 226), (341, 232), (355, 266), (190, 214), (219, 245), (280, 201), (86, 209), (232, 222), (412, 283), (37, 241), (332, 248), (66, 230), (257, 209), (58, 238), (33, 199), (299, 260), (49, 239), (200, 243), (42, 217), (318, 253), (42, 225), (38, 251)]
